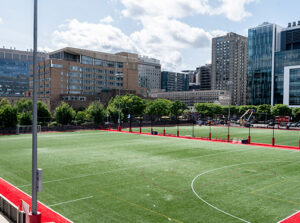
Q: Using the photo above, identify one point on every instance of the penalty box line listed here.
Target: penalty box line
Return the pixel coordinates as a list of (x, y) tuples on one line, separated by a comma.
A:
[(129, 168)]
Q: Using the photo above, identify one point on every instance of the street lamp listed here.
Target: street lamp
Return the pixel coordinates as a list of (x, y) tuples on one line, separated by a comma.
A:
[(119, 112)]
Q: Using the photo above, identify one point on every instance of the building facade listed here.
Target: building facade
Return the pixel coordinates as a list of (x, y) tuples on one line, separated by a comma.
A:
[(273, 65), (191, 97), (79, 74), (203, 77), (15, 70), (149, 74), (229, 66), (172, 81)]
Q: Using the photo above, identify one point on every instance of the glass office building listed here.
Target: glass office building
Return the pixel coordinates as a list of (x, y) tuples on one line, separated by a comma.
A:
[(260, 65), (14, 71)]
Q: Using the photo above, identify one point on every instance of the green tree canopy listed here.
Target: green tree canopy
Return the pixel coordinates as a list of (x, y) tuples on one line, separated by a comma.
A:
[(8, 116), (133, 105), (208, 109), (44, 115), (296, 113), (23, 105), (96, 112), (25, 118), (4, 101), (64, 114), (280, 110), (177, 108), (264, 109), (81, 117), (158, 108)]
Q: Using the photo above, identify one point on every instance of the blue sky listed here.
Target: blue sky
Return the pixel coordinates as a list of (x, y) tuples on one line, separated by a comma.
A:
[(178, 32)]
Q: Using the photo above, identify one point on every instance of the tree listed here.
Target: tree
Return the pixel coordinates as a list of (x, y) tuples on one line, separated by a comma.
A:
[(133, 105), (64, 114), (158, 108), (25, 118), (96, 112), (177, 108), (44, 115), (8, 116), (280, 110), (264, 109), (296, 113), (113, 109), (81, 117), (4, 101), (23, 105)]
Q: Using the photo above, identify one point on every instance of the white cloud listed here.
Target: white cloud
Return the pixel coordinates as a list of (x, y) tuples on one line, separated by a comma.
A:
[(92, 36), (232, 9), (162, 35), (1, 20), (107, 19)]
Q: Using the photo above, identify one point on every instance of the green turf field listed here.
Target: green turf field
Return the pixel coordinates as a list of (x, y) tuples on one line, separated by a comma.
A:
[(282, 137), (95, 176)]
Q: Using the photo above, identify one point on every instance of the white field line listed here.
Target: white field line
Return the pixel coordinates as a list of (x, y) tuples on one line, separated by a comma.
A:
[(224, 167), (39, 201), (288, 216), (71, 201), (142, 166)]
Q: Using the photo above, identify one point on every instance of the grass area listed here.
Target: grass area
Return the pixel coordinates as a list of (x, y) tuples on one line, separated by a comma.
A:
[(137, 178), (282, 137)]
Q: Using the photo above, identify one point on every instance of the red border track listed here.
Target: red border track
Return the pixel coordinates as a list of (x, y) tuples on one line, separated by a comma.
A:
[(211, 140), (15, 196), (294, 218)]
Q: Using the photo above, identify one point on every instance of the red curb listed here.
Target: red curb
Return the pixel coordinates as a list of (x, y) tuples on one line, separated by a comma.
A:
[(211, 140), (295, 218), (15, 195)]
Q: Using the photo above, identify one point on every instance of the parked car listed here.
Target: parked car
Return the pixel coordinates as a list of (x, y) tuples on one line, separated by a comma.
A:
[(271, 124)]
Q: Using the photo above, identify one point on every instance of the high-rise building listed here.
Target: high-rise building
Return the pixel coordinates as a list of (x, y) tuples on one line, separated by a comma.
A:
[(229, 66), (172, 81), (149, 73), (14, 71), (274, 64), (203, 77), (77, 74), (261, 55)]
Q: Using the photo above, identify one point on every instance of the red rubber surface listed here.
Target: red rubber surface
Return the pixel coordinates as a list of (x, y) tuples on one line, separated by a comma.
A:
[(295, 218), (15, 196)]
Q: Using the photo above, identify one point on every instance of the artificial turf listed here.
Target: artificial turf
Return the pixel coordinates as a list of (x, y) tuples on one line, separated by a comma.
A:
[(282, 137), (98, 176)]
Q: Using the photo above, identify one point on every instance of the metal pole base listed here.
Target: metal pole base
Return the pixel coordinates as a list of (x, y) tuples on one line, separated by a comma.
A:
[(228, 137), (249, 139), (273, 141), (35, 218), (164, 132), (119, 128), (209, 136), (140, 129), (177, 133)]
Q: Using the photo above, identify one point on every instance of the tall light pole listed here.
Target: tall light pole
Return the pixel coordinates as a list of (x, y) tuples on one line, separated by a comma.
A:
[(119, 112), (228, 119), (34, 125)]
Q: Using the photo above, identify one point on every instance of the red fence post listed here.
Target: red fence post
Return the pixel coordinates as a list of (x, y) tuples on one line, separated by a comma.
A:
[(273, 141), (249, 139), (177, 133), (164, 132), (210, 136), (228, 137), (140, 130)]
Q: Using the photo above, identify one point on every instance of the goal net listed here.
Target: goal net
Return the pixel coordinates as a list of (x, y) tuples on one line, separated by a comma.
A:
[(21, 129)]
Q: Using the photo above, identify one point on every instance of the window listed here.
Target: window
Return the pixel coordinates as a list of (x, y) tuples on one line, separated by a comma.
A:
[(87, 60), (57, 65)]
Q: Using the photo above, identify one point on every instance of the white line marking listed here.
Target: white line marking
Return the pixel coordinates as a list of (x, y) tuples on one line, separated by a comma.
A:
[(71, 201), (129, 168), (224, 167), (288, 216)]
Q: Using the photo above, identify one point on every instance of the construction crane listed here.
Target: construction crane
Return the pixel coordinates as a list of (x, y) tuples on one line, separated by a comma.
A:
[(245, 121)]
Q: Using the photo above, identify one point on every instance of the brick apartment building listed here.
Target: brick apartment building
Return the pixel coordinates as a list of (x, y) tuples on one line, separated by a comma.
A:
[(84, 76)]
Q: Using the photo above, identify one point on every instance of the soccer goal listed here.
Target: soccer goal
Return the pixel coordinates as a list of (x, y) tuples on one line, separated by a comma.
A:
[(21, 129)]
